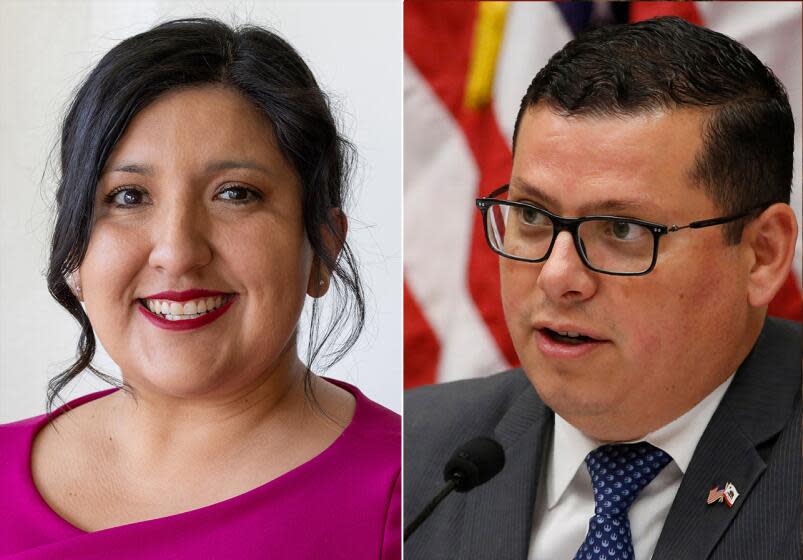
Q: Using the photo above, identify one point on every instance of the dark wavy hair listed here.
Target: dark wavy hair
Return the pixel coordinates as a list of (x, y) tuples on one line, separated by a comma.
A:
[(267, 71), (665, 64)]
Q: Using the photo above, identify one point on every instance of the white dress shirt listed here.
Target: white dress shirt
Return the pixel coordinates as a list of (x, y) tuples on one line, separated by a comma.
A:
[(565, 501)]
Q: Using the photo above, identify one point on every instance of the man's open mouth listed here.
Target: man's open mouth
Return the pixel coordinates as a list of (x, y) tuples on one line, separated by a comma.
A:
[(567, 337)]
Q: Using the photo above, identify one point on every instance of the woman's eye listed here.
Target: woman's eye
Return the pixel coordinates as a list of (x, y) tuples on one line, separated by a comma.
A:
[(126, 197), (237, 194)]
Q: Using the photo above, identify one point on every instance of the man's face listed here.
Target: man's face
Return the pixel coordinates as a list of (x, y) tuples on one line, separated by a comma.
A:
[(661, 341)]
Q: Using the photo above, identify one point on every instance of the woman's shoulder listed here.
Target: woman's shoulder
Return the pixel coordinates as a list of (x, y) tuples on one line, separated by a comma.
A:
[(16, 438), (16, 441), (374, 434), (379, 421), (370, 417)]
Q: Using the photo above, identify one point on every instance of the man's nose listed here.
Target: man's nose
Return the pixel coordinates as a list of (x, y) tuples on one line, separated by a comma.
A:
[(564, 277), (180, 236)]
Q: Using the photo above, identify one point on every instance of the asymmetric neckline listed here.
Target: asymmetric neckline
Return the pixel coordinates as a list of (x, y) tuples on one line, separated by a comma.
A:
[(39, 423)]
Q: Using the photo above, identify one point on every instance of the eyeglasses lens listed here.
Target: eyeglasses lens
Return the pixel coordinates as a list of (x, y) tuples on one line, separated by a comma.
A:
[(610, 245)]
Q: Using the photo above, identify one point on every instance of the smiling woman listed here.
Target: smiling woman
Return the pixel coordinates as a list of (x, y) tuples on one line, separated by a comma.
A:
[(182, 223), (200, 203)]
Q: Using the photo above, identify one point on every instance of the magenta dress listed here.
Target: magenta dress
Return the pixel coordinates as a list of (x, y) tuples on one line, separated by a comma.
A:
[(343, 503)]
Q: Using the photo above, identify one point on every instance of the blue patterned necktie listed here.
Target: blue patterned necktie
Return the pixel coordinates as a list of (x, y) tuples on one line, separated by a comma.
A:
[(618, 473)]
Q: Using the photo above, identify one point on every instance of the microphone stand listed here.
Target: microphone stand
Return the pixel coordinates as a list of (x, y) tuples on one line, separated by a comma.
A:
[(474, 463), (451, 484)]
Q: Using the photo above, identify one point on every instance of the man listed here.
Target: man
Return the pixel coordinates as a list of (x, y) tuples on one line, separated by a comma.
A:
[(644, 230)]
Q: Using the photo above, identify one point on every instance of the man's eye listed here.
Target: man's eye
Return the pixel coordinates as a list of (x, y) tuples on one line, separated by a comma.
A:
[(126, 197), (237, 194), (626, 231), (533, 217)]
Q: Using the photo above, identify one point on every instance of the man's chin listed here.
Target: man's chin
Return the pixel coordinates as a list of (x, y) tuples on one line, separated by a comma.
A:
[(566, 392)]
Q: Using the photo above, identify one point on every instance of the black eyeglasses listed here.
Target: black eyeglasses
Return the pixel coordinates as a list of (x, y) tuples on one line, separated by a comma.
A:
[(606, 244)]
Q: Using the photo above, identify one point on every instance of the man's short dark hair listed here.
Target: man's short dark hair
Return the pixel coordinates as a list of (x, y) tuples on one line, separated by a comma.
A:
[(666, 64)]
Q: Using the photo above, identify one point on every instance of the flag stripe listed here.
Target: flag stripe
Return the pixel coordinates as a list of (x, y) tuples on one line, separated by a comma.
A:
[(440, 219), (639, 11), (446, 69), (787, 303), (421, 348)]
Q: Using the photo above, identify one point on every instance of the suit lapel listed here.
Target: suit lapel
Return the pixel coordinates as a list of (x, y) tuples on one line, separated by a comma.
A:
[(755, 409), (693, 527), (499, 514)]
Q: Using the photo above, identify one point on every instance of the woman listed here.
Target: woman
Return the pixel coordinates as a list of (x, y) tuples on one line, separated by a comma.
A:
[(199, 204)]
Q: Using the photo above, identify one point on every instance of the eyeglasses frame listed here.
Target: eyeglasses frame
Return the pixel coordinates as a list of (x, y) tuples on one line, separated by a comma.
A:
[(559, 224)]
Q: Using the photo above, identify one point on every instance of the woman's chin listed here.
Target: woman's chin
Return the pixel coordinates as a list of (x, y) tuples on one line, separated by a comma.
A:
[(179, 383)]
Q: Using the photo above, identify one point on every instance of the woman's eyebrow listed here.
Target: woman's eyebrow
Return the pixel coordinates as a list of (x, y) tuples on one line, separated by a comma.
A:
[(127, 167), (212, 167), (225, 164)]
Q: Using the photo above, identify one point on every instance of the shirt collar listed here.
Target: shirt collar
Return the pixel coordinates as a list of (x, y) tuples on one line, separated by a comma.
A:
[(679, 438)]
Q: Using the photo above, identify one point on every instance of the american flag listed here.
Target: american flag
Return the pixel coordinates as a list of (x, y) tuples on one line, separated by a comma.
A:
[(716, 494), (466, 67)]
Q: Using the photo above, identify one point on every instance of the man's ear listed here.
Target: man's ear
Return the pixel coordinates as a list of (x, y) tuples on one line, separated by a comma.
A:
[(333, 237), (770, 239)]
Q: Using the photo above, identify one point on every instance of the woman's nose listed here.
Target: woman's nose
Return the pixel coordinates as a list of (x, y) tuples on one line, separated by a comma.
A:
[(180, 238)]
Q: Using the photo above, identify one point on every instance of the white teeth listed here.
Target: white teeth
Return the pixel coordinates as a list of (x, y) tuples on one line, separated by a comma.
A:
[(174, 311), (569, 334)]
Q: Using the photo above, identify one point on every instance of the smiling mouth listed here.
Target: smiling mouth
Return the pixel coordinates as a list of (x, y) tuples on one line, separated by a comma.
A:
[(187, 310)]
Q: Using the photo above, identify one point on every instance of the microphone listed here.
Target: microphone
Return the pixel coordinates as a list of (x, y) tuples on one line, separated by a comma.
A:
[(474, 463)]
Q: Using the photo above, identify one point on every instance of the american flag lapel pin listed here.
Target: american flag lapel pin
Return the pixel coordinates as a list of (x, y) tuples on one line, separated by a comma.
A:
[(730, 494), (727, 494), (716, 494)]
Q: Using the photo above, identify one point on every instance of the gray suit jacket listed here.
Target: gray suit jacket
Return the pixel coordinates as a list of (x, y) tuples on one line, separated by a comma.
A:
[(753, 440)]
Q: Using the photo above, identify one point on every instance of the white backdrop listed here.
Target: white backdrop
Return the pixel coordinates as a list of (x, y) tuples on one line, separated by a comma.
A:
[(47, 47)]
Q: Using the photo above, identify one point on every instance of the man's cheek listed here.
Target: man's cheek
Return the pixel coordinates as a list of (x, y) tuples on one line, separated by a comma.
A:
[(517, 318), (514, 298), (517, 325), (649, 344)]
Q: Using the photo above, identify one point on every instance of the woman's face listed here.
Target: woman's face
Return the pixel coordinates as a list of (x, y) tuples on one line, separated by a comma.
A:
[(198, 261)]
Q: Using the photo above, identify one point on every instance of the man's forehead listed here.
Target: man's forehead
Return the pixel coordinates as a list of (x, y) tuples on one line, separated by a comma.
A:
[(606, 164), (616, 129), (628, 204)]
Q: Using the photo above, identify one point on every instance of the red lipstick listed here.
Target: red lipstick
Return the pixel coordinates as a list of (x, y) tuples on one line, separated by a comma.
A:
[(186, 295), (185, 324)]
